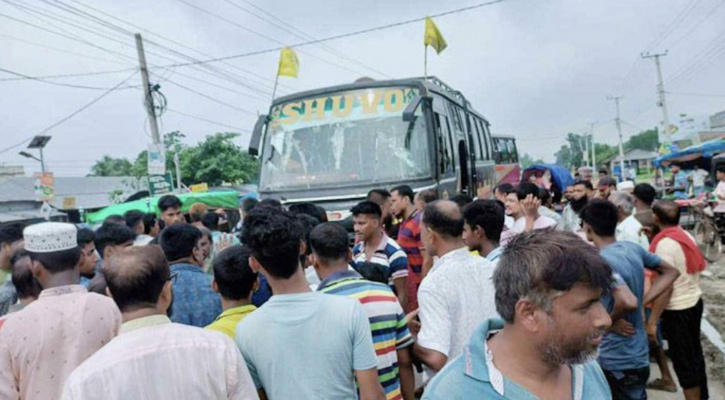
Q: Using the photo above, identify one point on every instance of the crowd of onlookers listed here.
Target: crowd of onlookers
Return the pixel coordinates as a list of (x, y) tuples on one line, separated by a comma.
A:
[(530, 294)]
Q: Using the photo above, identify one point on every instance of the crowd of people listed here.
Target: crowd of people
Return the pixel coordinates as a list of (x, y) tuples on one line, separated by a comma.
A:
[(436, 298)]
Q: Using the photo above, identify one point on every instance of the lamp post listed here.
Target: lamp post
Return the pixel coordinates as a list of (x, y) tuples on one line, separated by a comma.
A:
[(39, 143)]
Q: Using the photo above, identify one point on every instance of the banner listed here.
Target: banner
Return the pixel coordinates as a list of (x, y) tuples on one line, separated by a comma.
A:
[(44, 186), (160, 184), (156, 159)]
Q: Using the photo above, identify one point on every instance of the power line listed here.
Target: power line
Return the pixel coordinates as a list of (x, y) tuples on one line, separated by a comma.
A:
[(696, 94), (709, 14), (341, 36), (38, 79), (23, 77), (208, 120), (73, 114), (210, 98), (671, 26), (85, 56)]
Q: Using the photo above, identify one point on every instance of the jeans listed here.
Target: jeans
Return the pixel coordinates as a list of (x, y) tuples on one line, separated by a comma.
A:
[(628, 384)]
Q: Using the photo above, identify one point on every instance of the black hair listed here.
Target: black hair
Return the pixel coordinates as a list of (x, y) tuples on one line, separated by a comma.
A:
[(720, 168), (404, 191), (232, 273), (584, 183), (110, 234), (668, 212), (505, 187), (149, 220), (11, 233), (169, 201), (367, 208), (544, 196), (58, 261), (488, 214), (274, 235), (329, 241), (384, 194), (602, 215), (525, 189), (645, 193), (462, 199), (322, 213), (428, 195), (373, 272), (448, 224), (178, 241), (132, 218), (269, 203), (307, 223), (248, 204), (604, 171), (308, 209), (135, 277), (85, 236), (115, 219), (22, 277), (210, 220)]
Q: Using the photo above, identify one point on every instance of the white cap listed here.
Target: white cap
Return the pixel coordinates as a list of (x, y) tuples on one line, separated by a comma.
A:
[(625, 185), (48, 237)]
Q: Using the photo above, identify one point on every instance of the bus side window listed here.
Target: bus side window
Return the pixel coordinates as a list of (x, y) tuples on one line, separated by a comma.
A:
[(497, 153), (444, 146), (476, 133), (456, 122), (513, 153)]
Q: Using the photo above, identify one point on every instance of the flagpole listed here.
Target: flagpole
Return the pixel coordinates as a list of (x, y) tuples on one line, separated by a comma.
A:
[(274, 91), (425, 69)]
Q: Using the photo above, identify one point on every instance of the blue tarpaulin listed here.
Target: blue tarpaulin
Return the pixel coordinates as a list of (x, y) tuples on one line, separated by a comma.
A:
[(560, 175), (707, 150)]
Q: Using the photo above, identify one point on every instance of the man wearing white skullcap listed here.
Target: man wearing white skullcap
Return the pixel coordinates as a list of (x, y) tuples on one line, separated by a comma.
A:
[(42, 344)]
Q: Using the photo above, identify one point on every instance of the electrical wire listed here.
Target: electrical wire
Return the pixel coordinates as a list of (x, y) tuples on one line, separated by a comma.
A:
[(211, 98), (24, 77), (39, 79), (671, 26), (73, 114), (208, 120), (85, 56)]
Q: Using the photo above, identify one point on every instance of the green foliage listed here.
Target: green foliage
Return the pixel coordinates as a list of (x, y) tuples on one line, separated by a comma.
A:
[(526, 161), (646, 140), (571, 154), (109, 166)]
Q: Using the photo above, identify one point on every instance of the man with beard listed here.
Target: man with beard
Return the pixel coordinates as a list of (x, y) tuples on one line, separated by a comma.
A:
[(548, 291), (581, 192)]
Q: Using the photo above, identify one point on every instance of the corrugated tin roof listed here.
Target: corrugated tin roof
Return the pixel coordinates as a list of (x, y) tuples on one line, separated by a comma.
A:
[(89, 192)]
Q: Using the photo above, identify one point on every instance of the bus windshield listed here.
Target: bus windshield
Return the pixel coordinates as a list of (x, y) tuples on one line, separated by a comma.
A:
[(346, 138)]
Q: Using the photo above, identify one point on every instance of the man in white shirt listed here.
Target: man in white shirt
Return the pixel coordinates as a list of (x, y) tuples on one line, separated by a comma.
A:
[(628, 228), (456, 295), (527, 218), (154, 358), (720, 189), (482, 228), (698, 180)]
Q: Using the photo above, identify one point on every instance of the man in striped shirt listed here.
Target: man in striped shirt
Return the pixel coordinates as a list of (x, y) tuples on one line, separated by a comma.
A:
[(391, 337), (378, 248)]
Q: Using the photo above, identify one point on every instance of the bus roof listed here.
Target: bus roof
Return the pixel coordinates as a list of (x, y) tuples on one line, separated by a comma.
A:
[(432, 83)]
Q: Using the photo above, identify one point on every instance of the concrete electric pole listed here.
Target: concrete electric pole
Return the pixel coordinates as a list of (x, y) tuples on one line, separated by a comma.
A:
[(618, 120), (149, 99), (661, 92)]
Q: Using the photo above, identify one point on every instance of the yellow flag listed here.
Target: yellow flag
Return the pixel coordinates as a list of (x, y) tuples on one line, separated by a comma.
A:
[(289, 65), (433, 37)]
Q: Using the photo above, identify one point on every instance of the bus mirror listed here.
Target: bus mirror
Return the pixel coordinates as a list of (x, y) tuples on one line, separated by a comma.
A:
[(409, 112), (257, 135)]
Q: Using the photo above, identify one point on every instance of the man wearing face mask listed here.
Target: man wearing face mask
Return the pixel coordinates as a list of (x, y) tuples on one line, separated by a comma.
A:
[(581, 192), (195, 303)]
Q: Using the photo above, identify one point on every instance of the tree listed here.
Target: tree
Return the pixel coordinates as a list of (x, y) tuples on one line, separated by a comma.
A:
[(647, 140), (571, 154), (527, 161), (109, 166), (172, 144), (217, 160)]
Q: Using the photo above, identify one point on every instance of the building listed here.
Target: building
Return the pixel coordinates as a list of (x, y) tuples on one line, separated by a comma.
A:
[(641, 159), (19, 201)]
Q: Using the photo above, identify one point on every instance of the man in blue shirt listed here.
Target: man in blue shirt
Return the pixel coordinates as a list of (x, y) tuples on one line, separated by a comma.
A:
[(548, 291), (624, 354), (302, 345), (679, 183), (195, 302)]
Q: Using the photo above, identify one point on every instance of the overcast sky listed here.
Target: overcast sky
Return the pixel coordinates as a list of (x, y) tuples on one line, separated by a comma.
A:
[(536, 69)]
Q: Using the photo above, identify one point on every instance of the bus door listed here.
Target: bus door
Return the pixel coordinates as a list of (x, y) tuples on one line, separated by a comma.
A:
[(445, 150), (462, 146)]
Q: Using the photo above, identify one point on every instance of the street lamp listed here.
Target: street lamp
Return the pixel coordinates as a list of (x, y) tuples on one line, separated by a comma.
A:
[(39, 143)]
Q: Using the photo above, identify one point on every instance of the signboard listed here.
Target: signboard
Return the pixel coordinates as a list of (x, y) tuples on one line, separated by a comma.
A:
[(44, 186), (201, 187), (69, 203), (160, 184), (156, 160), (686, 127)]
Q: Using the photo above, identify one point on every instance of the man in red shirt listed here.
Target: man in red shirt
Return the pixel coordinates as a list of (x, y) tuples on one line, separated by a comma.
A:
[(403, 208)]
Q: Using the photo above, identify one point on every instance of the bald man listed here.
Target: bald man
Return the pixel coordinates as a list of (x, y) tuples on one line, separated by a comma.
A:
[(154, 358), (456, 295)]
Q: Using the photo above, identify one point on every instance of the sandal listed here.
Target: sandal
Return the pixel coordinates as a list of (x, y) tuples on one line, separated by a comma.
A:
[(659, 384)]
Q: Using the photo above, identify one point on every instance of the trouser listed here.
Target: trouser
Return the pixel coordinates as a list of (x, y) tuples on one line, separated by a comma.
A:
[(630, 384), (681, 328)]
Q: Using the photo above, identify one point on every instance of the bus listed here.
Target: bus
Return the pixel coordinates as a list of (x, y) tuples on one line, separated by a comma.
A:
[(331, 146), (506, 156)]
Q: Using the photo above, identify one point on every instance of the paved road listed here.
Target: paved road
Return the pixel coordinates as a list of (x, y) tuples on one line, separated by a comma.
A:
[(717, 391)]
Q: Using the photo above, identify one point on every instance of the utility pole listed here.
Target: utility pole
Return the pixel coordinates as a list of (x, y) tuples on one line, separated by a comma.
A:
[(618, 120), (661, 92), (149, 99), (594, 147)]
